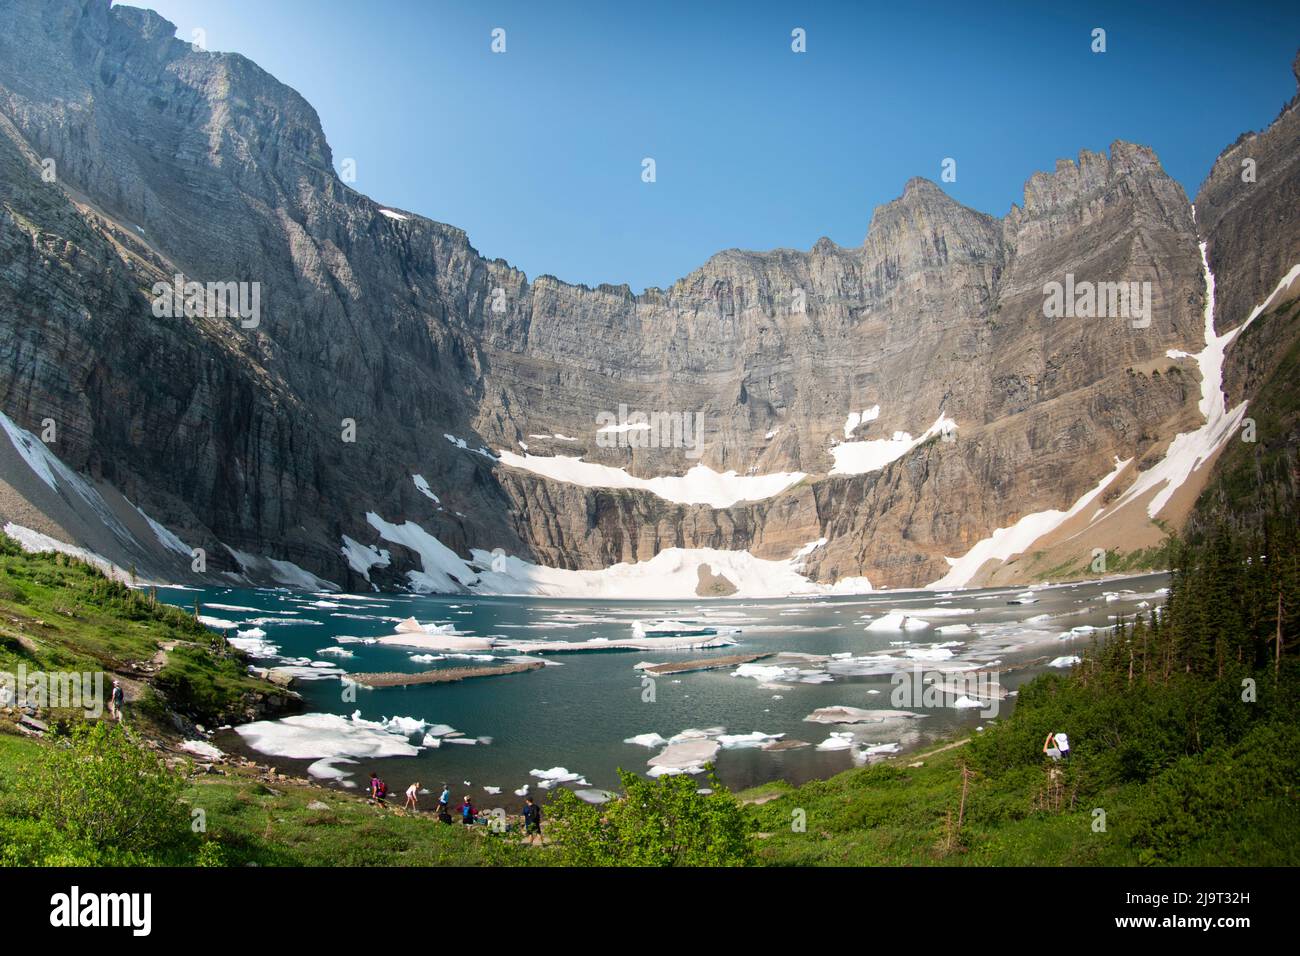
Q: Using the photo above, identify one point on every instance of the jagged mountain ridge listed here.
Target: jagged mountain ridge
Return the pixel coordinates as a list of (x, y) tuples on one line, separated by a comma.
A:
[(175, 161)]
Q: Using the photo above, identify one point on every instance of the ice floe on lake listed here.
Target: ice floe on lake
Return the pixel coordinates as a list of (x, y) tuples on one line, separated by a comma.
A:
[(434, 637), (216, 623), (897, 621), (556, 776), (316, 736), (684, 756), (755, 739), (841, 714)]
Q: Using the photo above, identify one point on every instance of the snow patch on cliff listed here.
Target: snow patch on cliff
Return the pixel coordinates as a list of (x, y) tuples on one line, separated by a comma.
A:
[(423, 487), (282, 572), (857, 419), (1189, 450), (1014, 539), (701, 485), (165, 537), (673, 573), (36, 542), (861, 457), (443, 571), (363, 557), (59, 477)]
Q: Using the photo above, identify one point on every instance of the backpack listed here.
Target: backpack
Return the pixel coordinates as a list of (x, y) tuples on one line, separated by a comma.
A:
[(381, 788)]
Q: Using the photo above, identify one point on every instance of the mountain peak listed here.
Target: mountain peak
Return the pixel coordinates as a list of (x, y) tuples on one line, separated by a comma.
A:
[(922, 205), (919, 186), (1091, 172)]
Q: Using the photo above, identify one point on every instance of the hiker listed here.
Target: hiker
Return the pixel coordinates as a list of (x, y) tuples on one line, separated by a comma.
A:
[(1050, 747), (1063, 745), (116, 700), (467, 811), (532, 817), (378, 789), (411, 795), (444, 799)]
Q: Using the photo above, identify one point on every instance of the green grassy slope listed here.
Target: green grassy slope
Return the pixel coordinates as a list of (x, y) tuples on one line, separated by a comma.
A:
[(1197, 812), (61, 614)]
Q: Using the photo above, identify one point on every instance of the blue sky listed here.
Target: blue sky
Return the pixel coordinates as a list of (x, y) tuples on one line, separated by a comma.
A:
[(537, 153)]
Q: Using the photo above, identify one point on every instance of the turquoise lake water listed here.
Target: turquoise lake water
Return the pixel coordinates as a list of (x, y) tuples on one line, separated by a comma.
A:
[(576, 713)]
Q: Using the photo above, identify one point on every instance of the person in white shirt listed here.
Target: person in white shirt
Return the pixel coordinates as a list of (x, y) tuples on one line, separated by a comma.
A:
[(1057, 746), (1050, 748), (411, 795)]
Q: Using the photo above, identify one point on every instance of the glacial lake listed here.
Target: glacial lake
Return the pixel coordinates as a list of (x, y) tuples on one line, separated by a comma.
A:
[(577, 711)]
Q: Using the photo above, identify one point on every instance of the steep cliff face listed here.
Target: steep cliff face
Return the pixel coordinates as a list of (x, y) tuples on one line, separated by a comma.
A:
[(388, 348), (170, 161), (1249, 207)]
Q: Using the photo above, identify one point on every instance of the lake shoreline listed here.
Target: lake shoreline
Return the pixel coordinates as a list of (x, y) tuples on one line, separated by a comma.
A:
[(808, 654)]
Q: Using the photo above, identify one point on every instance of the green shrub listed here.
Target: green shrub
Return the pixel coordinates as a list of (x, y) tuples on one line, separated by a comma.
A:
[(1198, 797), (104, 794), (211, 853), (662, 822)]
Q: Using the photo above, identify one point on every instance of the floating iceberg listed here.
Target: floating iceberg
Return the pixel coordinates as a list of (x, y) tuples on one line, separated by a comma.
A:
[(897, 621), (557, 775), (641, 629), (856, 715)]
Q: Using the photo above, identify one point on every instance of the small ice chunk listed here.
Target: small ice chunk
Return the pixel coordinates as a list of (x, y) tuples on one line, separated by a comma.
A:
[(897, 621), (557, 775)]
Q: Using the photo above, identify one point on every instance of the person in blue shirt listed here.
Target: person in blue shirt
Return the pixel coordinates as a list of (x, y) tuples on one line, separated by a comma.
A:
[(532, 817)]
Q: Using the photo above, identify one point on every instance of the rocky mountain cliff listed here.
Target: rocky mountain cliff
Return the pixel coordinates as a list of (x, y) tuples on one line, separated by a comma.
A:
[(401, 399), (1250, 206)]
